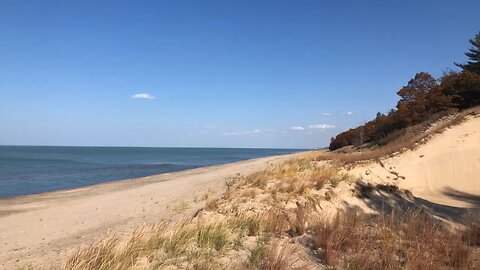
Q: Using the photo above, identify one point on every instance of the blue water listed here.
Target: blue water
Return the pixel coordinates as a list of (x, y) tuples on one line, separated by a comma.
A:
[(35, 169)]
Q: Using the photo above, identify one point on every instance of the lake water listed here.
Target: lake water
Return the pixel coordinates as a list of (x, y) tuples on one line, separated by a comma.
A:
[(35, 169)]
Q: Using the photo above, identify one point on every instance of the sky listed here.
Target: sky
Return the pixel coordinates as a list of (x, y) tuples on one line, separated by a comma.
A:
[(283, 74)]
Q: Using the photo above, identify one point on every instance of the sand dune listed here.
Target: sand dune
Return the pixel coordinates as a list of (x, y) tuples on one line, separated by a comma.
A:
[(445, 170)]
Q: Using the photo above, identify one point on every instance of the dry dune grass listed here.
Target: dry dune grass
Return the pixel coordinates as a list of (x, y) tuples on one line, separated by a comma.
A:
[(295, 176), (273, 219), (406, 240), (99, 255), (198, 242), (471, 234), (282, 256), (190, 244), (187, 244)]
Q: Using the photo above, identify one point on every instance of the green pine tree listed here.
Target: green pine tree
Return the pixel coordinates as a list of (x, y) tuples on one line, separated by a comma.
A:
[(473, 54)]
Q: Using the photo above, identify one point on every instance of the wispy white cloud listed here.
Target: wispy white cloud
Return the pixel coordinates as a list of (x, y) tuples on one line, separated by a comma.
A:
[(143, 96), (321, 126), (242, 133), (326, 114), (349, 113), (297, 128), (254, 132)]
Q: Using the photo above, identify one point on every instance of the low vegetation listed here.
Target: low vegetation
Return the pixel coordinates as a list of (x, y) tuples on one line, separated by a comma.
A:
[(179, 207), (291, 216), (399, 240)]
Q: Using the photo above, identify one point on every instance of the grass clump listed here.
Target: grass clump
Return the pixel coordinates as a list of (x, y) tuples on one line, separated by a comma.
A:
[(214, 236), (281, 256), (250, 225), (212, 204), (180, 207), (100, 255), (258, 253), (409, 240)]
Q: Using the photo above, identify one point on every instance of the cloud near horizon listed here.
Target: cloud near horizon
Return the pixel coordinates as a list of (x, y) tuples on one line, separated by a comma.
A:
[(297, 128), (143, 96), (321, 126), (326, 114), (349, 113), (245, 132)]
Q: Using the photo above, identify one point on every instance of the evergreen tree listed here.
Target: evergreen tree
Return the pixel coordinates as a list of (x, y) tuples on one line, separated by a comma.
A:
[(473, 54)]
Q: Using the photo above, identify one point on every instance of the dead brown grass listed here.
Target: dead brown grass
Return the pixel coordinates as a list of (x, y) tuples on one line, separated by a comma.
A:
[(471, 234), (409, 240), (212, 204), (282, 256)]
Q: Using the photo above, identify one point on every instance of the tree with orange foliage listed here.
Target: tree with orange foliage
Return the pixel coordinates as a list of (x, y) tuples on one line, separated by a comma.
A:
[(414, 97)]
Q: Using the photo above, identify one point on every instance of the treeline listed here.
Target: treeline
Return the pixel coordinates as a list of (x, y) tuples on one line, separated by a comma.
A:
[(421, 98)]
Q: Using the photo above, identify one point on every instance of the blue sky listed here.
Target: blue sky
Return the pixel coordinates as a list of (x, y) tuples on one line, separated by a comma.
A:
[(222, 73)]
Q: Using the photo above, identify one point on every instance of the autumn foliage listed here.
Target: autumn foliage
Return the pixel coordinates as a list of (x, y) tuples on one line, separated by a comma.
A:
[(422, 98)]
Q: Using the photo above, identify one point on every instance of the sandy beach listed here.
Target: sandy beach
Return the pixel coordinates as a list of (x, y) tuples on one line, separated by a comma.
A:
[(43, 229)]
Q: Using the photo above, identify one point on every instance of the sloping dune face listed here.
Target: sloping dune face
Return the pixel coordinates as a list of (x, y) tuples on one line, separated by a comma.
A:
[(446, 170)]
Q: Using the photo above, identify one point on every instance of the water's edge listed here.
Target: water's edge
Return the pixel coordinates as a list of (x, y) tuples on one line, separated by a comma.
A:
[(128, 177)]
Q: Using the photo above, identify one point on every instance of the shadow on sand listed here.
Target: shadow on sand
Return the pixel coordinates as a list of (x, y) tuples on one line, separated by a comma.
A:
[(387, 198), (473, 200)]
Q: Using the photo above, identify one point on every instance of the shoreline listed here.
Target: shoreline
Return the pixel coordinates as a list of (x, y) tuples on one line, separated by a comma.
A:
[(97, 180), (125, 180), (44, 228)]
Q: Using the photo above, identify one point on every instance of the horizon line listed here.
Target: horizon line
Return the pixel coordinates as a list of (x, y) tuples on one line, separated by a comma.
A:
[(116, 146)]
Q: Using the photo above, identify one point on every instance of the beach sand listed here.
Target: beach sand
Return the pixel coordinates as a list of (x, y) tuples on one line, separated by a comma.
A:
[(43, 229)]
